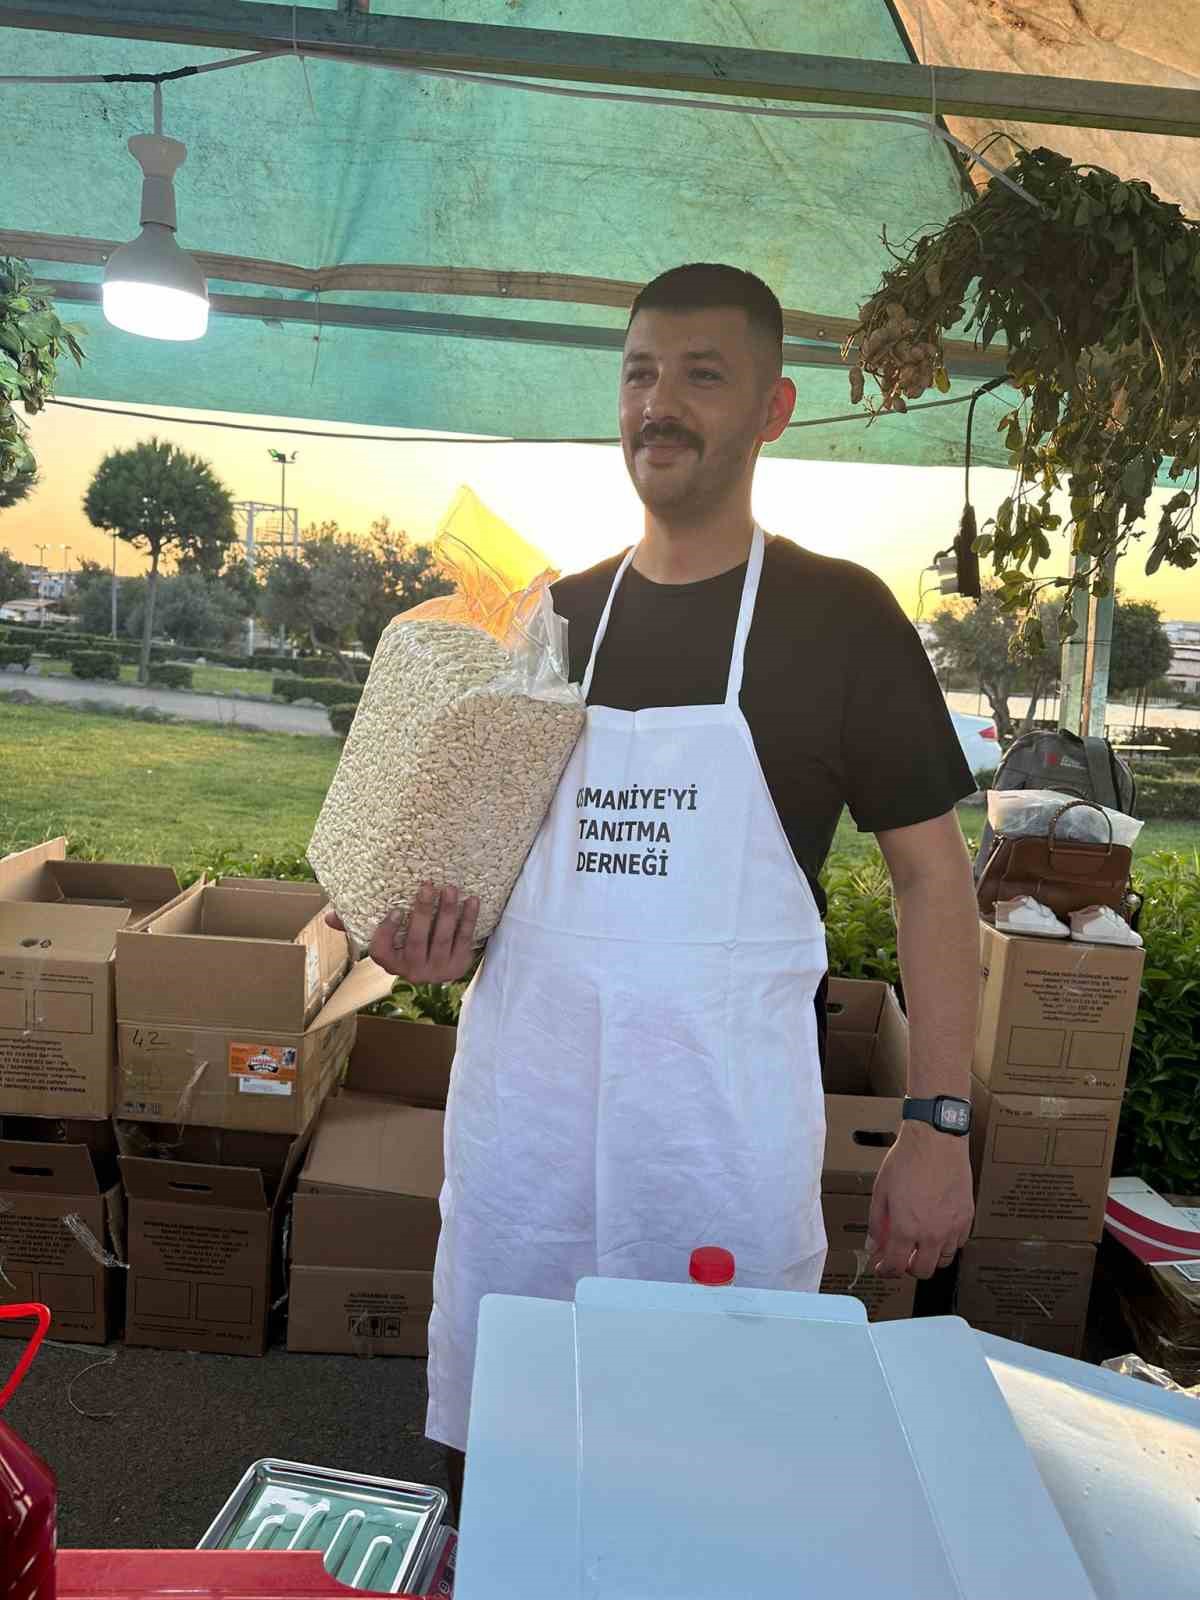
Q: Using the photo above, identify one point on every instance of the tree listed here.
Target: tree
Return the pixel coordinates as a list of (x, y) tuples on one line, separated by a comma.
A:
[(14, 580), (1141, 651), (406, 575), (318, 597), (159, 498), (978, 637), (198, 611), (15, 489)]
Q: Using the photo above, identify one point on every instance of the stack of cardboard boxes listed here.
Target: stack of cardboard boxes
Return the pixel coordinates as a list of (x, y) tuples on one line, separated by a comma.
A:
[(866, 1066), (1051, 1057), (235, 1020), (163, 1057), (365, 1219), (61, 1204)]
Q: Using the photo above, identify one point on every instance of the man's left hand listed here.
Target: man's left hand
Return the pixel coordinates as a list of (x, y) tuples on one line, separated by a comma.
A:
[(923, 1206)]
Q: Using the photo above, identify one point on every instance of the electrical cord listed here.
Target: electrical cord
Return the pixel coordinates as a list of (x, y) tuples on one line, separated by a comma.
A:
[(435, 438), (926, 125)]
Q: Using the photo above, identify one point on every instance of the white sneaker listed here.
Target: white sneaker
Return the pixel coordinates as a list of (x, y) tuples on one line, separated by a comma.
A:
[(1102, 925), (1029, 917)]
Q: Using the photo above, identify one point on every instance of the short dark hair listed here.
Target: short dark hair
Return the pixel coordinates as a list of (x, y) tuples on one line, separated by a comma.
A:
[(709, 285)]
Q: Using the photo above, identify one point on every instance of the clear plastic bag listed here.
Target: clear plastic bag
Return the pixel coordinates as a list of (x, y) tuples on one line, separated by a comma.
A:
[(1132, 1366), (1029, 813), (466, 723)]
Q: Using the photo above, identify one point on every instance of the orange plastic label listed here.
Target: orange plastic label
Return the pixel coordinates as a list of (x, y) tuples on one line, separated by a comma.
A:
[(263, 1068)]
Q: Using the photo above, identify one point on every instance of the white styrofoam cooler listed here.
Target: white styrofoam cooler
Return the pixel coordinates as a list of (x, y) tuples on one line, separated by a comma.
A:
[(680, 1442)]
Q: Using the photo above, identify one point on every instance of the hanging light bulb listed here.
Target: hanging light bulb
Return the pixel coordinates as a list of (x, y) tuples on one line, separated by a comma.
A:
[(151, 286)]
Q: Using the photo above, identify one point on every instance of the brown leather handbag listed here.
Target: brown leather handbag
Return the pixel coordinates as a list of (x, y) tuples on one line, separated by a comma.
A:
[(1062, 874)]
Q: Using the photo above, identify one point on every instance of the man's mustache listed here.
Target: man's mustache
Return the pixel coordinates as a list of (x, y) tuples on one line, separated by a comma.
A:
[(668, 433)]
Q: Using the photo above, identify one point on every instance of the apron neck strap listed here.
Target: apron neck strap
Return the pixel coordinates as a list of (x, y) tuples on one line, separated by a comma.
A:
[(745, 618), (737, 660)]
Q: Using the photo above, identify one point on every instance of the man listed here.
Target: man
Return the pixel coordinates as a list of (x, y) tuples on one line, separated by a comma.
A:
[(638, 1068)]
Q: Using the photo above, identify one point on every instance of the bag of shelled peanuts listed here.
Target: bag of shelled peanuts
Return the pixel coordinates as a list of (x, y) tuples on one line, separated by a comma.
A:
[(454, 755)]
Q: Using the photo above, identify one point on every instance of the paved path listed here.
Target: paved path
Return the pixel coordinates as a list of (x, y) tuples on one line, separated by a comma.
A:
[(189, 707)]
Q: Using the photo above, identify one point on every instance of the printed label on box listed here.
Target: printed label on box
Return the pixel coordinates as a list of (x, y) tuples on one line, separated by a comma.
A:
[(263, 1068)]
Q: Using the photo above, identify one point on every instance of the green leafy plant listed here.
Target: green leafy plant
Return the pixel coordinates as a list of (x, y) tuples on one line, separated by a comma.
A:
[(15, 655), (341, 718), (422, 1002), (95, 664), (231, 864), (32, 341), (860, 928), (1160, 1121), (1096, 288)]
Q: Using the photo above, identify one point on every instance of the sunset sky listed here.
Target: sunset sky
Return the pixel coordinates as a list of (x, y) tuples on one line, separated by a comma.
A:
[(574, 501)]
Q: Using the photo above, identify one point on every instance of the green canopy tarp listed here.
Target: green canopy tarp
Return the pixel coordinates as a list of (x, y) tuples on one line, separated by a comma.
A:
[(330, 163)]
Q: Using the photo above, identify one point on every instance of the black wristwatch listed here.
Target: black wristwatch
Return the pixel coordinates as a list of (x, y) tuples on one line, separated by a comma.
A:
[(946, 1113)]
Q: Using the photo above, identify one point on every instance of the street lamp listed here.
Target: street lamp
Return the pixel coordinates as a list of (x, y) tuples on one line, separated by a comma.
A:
[(114, 585), (283, 462), (66, 550), (41, 583)]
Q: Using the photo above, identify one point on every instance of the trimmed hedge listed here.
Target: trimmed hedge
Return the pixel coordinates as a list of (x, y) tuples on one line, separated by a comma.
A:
[(170, 675), (95, 664), (15, 655), (1168, 799), (340, 718), (324, 690), (298, 666)]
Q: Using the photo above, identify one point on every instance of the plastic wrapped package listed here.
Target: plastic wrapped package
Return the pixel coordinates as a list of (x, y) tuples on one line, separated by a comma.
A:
[(1132, 1366), (1029, 813), (454, 756)]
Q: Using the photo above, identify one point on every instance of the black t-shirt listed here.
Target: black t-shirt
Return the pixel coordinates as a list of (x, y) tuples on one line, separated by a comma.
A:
[(841, 700)]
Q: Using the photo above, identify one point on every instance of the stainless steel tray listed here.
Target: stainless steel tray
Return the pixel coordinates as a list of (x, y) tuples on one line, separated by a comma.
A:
[(375, 1533)]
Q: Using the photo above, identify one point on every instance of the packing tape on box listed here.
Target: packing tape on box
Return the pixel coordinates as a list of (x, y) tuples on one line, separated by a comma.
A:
[(184, 1104), (82, 1234), (6, 1205)]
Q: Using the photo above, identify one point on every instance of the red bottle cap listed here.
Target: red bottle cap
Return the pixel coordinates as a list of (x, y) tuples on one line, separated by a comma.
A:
[(712, 1266)]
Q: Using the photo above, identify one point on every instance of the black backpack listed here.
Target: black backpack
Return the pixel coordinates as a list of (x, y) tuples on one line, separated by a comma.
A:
[(1089, 769)]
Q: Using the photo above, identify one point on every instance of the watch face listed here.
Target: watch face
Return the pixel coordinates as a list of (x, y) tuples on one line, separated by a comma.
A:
[(954, 1116)]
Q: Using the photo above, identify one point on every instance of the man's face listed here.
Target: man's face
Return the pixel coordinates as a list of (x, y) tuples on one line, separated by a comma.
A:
[(699, 395)]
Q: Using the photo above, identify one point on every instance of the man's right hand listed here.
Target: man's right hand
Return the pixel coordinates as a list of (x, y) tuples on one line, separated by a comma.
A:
[(436, 946)]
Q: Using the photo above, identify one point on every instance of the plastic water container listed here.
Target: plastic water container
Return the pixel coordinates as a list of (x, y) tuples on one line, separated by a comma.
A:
[(712, 1266), (28, 1497)]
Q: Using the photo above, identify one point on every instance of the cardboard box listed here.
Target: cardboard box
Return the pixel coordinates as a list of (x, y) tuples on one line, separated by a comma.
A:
[(365, 1220), (58, 923), (409, 1060), (231, 1012), (886, 1299), (865, 1076), (98, 1138), (61, 1215), (202, 1252), (337, 1301), (1042, 1165), (1034, 1292), (1056, 1017)]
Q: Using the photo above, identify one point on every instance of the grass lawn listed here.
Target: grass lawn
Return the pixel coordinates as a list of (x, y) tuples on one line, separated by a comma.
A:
[(205, 680), (142, 792)]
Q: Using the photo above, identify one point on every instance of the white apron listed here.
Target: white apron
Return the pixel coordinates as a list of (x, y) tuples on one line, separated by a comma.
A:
[(637, 1069)]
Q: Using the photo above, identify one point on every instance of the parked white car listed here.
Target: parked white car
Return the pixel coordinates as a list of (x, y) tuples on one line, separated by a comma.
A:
[(980, 744)]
